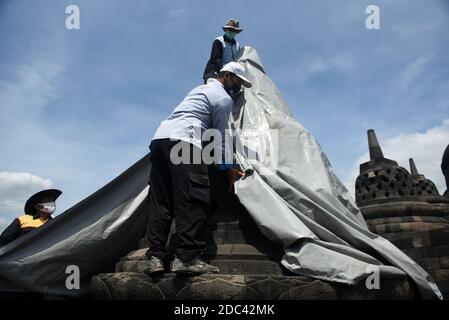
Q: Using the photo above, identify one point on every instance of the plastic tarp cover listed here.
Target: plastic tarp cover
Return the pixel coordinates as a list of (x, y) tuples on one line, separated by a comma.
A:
[(93, 235), (296, 199)]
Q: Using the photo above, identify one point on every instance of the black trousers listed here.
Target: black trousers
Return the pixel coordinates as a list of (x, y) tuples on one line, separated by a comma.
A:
[(180, 192)]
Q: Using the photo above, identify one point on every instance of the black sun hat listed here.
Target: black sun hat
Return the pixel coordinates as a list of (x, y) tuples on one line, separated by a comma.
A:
[(37, 197)]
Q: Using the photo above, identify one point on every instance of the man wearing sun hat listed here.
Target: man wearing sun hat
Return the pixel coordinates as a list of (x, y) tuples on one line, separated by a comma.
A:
[(181, 191), (224, 49), (38, 210)]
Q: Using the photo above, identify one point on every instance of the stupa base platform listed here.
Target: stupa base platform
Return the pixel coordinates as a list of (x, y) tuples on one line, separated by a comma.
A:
[(139, 286)]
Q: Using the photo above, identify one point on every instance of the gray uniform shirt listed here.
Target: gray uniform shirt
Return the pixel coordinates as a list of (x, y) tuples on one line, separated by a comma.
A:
[(207, 106)]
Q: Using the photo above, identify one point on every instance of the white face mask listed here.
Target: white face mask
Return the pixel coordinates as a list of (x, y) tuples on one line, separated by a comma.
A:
[(47, 207)]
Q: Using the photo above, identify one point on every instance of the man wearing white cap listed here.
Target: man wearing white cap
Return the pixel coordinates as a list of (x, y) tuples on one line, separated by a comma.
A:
[(181, 191), (225, 49)]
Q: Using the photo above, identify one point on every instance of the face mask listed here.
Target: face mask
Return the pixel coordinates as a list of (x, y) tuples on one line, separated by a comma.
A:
[(48, 207), (234, 89), (230, 34)]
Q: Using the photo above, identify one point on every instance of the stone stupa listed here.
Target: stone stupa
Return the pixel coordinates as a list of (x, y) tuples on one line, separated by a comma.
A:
[(407, 209)]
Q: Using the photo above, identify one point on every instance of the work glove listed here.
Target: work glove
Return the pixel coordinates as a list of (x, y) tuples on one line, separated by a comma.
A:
[(233, 174)]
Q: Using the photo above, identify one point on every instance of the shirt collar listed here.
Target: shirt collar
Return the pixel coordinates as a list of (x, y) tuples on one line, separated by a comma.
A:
[(38, 217), (213, 80)]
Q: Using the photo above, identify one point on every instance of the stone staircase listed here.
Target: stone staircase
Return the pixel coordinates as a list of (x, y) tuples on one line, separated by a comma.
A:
[(230, 248)]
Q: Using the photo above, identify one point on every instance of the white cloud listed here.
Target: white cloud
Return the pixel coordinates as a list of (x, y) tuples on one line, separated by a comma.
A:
[(426, 149), (2, 223), (340, 61), (413, 72), (23, 101), (313, 65), (15, 189), (176, 13), (36, 84)]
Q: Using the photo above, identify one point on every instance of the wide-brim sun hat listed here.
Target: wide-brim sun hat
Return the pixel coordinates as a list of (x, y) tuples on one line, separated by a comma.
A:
[(37, 197), (238, 70), (232, 25)]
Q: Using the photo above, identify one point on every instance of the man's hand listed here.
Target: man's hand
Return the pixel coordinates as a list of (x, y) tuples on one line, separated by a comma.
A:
[(233, 174)]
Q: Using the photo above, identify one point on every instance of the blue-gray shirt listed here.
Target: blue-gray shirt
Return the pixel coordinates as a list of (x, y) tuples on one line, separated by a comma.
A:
[(207, 106)]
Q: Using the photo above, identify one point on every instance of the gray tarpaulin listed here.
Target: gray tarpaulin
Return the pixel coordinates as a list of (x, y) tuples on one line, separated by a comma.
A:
[(293, 196), (298, 202), (93, 235)]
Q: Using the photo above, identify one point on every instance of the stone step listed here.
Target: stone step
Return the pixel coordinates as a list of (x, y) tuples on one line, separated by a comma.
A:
[(221, 225), (247, 267), (405, 208), (228, 237), (433, 263), (224, 232), (391, 220), (224, 252), (415, 226), (220, 237), (419, 239), (428, 252), (225, 266), (439, 275), (231, 237), (240, 252)]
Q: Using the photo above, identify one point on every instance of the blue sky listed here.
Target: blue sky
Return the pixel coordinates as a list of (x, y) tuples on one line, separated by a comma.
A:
[(79, 107)]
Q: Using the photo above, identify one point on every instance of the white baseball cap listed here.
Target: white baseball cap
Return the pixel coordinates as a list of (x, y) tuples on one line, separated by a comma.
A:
[(238, 70)]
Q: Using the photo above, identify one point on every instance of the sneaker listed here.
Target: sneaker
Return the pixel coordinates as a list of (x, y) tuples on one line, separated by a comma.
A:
[(195, 266), (151, 266)]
